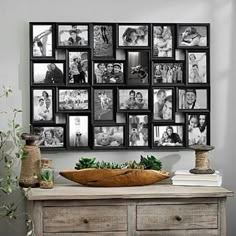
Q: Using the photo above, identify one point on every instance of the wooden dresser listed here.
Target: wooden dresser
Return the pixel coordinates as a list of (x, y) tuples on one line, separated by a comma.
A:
[(154, 210)]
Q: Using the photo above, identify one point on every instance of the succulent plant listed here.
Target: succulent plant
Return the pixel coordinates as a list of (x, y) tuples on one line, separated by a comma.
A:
[(151, 162), (86, 163)]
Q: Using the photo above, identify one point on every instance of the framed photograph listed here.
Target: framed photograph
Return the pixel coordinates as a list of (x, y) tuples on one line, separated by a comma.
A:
[(197, 67), (48, 73), (139, 130), (138, 67), (196, 99), (78, 131), (42, 40), (108, 72), (133, 35), (73, 100), (78, 67), (103, 102), (42, 104), (51, 137), (168, 135), (72, 35), (133, 99), (163, 104), (109, 136), (163, 41), (193, 35), (198, 128), (168, 72), (103, 41)]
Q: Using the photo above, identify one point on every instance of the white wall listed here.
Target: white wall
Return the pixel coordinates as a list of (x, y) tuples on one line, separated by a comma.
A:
[(14, 71)]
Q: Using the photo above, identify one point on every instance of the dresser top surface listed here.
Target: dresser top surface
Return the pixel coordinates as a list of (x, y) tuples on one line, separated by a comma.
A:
[(73, 192)]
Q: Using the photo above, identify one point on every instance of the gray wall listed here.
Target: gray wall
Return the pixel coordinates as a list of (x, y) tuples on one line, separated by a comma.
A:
[(14, 71)]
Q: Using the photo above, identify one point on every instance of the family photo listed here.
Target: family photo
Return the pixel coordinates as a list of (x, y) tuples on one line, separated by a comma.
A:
[(42, 41), (133, 35), (138, 130), (197, 67), (109, 136), (42, 105), (78, 131), (133, 99), (73, 99), (103, 45), (78, 67), (138, 67), (193, 99), (163, 41), (163, 104), (103, 104), (171, 73), (48, 73), (49, 136), (197, 129), (72, 35), (192, 36), (108, 72), (168, 135)]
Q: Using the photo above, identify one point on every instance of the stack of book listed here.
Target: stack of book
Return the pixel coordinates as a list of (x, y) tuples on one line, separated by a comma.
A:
[(184, 177)]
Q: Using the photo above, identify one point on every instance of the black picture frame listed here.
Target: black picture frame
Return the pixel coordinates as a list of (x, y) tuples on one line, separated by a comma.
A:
[(71, 31), (76, 100), (124, 35), (103, 39), (109, 78), (40, 48), (193, 35), (109, 138), (163, 41), (197, 128)]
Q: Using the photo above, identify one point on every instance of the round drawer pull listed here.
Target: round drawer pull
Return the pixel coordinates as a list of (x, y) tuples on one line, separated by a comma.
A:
[(86, 221), (178, 218)]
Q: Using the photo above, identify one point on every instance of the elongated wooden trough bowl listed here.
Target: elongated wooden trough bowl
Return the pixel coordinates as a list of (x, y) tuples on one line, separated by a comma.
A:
[(114, 177)]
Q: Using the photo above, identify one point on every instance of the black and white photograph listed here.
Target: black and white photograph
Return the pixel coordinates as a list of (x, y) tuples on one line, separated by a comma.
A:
[(78, 130), (103, 105), (194, 36), (42, 103), (42, 40), (109, 136), (103, 41), (133, 35), (197, 129), (164, 135), (108, 72), (72, 35), (197, 67), (168, 72), (133, 99), (50, 137), (193, 99), (163, 42), (78, 67), (48, 73), (138, 68), (163, 104), (138, 131), (73, 99)]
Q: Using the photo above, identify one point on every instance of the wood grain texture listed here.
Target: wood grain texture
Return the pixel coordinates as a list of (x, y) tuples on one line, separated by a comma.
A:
[(114, 177), (189, 216), (88, 218), (76, 192)]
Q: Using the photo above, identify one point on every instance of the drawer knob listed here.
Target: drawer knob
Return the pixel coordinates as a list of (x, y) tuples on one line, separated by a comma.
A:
[(86, 221), (178, 218)]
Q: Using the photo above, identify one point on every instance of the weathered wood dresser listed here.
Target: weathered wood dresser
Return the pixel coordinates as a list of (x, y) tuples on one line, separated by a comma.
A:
[(154, 210)]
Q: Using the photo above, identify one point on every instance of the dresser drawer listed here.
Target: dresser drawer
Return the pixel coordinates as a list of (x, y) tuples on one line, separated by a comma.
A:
[(184, 216), (90, 234), (87, 218)]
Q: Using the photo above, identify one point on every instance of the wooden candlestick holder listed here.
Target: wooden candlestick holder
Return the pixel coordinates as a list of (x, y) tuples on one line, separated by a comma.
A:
[(202, 161)]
